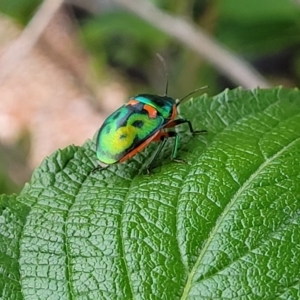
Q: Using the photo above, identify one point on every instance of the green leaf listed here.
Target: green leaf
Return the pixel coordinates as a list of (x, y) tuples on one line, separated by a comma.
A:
[(12, 221), (224, 225)]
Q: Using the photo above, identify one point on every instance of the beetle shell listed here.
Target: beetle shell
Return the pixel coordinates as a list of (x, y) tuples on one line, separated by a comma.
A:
[(133, 126)]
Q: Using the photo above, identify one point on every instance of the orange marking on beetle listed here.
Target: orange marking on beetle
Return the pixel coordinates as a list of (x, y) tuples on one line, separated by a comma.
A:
[(132, 102), (152, 112), (174, 112), (172, 121)]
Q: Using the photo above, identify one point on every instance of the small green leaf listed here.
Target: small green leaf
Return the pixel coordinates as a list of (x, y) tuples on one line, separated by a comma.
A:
[(224, 225)]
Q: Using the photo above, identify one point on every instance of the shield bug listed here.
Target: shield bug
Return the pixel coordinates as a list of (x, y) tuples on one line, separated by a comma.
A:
[(145, 118)]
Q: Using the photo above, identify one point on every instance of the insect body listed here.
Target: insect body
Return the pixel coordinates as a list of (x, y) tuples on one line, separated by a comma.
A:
[(143, 119)]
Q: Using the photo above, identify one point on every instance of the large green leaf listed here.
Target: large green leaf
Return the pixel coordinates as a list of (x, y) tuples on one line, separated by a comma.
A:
[(225, 225), (12, 221)]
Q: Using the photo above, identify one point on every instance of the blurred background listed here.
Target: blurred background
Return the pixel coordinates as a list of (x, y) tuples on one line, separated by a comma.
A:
[(66, 65)]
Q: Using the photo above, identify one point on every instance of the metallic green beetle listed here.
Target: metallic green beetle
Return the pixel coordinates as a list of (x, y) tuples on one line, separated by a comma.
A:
[(143, 119)]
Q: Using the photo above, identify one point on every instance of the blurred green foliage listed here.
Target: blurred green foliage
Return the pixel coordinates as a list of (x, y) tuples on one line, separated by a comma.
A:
[(256, 29), (14, 170), (267, 33), (7, 185), (20, 10), (109, 39)]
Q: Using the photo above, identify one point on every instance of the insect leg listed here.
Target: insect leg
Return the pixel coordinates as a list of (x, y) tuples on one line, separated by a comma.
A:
[(163, 138), (169, 134), (98, 168), (161, 145), (182, 121)]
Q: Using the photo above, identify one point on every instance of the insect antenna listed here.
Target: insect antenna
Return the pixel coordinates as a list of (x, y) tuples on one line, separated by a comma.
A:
[(166, 72), (191, 93)]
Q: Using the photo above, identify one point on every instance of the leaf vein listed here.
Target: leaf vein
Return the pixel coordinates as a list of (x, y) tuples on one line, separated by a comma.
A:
[(225, 212)]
